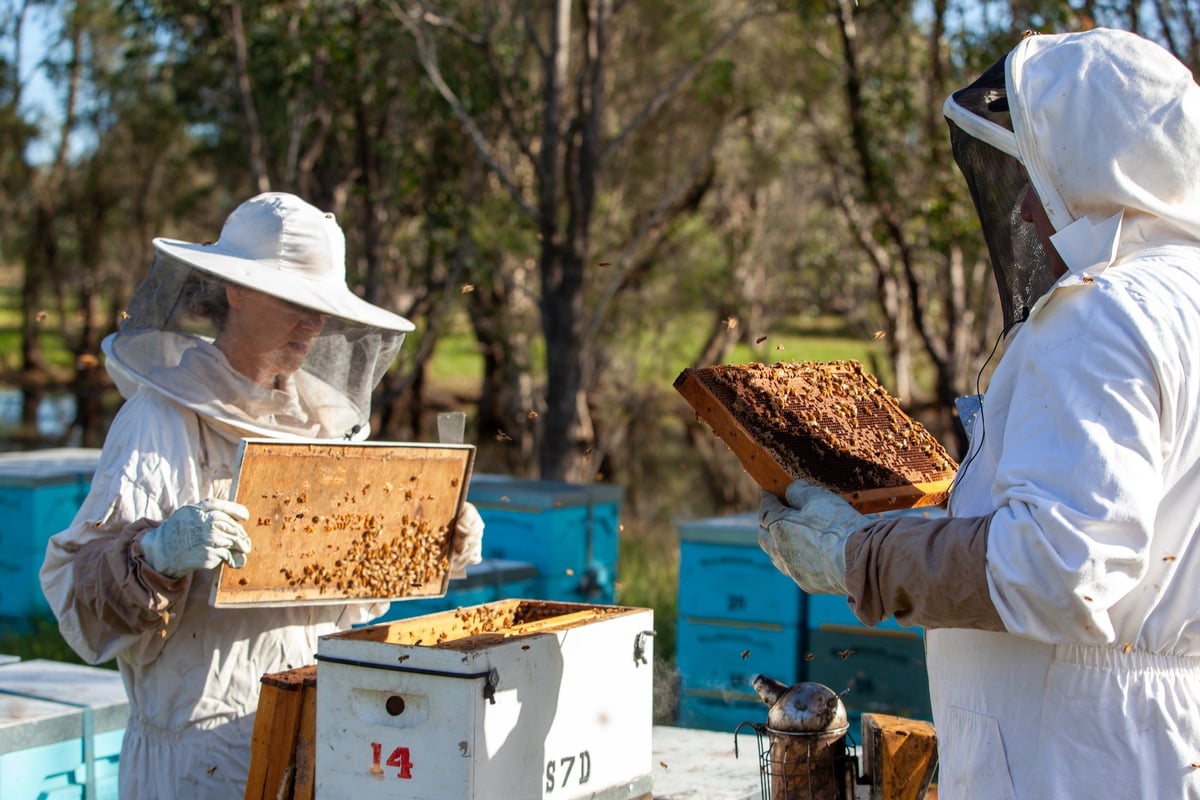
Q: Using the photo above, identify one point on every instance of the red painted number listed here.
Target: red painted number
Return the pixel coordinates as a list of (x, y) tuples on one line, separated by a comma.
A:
[(399, 758)]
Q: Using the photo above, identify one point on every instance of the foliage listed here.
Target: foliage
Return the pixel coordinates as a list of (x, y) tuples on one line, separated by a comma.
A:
[(38, 637), (648, 577)]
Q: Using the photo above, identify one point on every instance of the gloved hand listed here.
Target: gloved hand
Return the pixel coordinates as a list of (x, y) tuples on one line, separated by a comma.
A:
[(806, 538), (199, 536), (467, 545)]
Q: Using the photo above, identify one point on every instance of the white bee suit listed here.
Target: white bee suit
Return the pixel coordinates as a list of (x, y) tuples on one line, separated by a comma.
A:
[(1094, 691), (191, 671), (1088, 452), (1068, 666)]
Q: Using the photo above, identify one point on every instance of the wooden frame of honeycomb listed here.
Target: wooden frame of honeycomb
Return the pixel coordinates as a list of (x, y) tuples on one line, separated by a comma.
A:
[(334, 521), (829, 422)]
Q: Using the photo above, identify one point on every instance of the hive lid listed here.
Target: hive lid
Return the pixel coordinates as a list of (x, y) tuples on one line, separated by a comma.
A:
[(519, 493), (43, 702), (363, 521), (741, 529), (829, 422), (50, 466), (27, 722), (495, 572), (733, 529)]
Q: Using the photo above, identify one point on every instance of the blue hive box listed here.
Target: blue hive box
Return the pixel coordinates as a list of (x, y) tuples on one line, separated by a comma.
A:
[(739, 616), (61, 727), (40, 492), (493, 579), (568, 531)]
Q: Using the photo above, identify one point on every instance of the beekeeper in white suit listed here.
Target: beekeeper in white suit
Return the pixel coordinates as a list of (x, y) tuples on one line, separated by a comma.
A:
[(1059, 597), (256, 335)]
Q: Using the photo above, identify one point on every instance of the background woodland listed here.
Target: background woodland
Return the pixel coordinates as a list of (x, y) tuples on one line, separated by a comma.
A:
[(579, 197)]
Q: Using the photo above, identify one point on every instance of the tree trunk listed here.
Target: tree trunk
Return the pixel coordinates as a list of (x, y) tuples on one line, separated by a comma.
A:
[(562, 434)]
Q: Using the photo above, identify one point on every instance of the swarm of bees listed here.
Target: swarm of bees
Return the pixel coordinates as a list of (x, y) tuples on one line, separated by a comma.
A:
[(376, 564)]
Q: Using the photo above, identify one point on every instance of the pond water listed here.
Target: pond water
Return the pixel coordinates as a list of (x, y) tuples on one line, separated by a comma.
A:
[(55, 414)]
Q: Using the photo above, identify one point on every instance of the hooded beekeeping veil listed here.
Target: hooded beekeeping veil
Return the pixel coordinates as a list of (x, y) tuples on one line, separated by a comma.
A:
[(985, 150), (282, 246), (1105, 127)]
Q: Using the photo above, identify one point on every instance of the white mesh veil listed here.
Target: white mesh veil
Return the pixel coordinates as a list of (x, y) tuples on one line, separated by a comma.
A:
[(166, 343)]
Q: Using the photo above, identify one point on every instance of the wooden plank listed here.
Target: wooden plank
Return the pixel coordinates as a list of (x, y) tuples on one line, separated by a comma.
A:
[(553, 623), (281, 749), (762, 464), (306, 740), (275, 751), (899, 755), (352, 521), (914, 495), (260, 741)]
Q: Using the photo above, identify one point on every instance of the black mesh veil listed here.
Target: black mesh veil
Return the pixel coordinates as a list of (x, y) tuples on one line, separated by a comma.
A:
[(998, 183)]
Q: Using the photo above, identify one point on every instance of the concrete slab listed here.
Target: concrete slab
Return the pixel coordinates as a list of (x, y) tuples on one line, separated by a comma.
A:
[(694, 764)]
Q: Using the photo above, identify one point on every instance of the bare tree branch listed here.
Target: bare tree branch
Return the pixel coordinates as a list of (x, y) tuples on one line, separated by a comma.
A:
[(237, 33), (649, 228), (507, 107), (427, 53), (681, 79)]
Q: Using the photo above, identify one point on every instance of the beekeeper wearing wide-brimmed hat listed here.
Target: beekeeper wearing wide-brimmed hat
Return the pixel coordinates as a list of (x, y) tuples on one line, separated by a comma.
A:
[(1059, 597), (255, 335)]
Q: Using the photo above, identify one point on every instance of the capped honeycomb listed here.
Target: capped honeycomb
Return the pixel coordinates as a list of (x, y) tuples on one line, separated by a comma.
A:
[(829, 422)]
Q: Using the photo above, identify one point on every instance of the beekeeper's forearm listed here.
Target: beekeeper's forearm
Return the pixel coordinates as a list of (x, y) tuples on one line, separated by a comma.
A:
[(116, 600), (926, 572)]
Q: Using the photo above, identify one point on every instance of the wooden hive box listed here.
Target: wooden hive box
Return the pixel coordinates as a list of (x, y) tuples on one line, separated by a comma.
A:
[(283, 747), (830, 422)]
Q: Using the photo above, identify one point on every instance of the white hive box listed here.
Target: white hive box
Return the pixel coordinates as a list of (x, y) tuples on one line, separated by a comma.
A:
[(510, 700)]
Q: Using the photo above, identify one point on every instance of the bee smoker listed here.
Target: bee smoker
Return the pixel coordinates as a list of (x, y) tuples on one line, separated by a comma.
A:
[(802, 748)]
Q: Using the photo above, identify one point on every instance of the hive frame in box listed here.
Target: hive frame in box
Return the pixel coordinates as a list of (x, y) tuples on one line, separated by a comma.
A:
[(427, 709), (332, 522)]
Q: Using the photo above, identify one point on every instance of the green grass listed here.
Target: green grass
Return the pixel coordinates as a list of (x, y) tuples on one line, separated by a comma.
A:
[(663, 352), (39, 638), (457, 355), (648, 577)]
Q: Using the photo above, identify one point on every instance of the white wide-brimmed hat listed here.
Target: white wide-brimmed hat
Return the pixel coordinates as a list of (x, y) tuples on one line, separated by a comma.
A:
[(278, 244)]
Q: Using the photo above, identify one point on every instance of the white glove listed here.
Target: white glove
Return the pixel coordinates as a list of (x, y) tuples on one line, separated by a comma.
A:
[(467, 546), (200, 536), (806, 538)]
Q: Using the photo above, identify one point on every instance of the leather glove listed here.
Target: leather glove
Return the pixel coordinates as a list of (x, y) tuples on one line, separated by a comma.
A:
[(467, 546), (806, 538), (199, 536)]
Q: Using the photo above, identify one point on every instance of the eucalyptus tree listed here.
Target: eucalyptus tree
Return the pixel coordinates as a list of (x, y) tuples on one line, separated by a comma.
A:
[(870, 99), (40, 169), (30, 236), (893, 184), (568, 113)]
